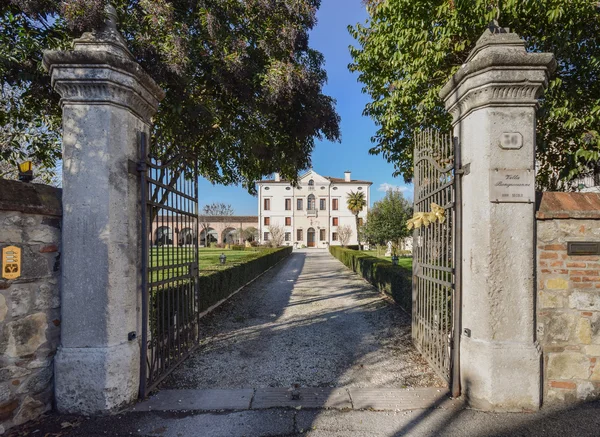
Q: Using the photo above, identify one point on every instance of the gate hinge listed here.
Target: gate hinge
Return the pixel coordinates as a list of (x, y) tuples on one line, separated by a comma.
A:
[(135, 167), (464, 170)]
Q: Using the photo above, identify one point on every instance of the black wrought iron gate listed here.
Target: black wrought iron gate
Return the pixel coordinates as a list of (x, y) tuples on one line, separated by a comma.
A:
[(436, 253), (170, 307)]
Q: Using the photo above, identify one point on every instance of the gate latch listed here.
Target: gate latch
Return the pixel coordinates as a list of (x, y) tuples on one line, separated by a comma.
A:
[(194, 269)]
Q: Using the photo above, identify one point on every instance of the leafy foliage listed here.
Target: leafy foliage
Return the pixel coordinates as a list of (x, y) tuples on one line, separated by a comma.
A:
[(244, 88), (408, 49), (396, 281), (386, 221)]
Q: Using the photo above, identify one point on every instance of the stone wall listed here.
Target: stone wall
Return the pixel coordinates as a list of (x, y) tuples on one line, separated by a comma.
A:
[(30, 218), (568, 297)]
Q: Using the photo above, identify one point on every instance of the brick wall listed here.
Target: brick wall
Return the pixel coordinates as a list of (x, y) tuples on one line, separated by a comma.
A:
[(30, 218), (568, 297)]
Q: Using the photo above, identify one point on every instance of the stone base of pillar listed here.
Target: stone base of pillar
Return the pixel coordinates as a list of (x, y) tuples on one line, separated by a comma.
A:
[(501, 376), (96, 380)]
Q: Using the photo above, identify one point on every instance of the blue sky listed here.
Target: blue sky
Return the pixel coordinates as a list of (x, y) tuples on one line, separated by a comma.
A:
[(331, 38)]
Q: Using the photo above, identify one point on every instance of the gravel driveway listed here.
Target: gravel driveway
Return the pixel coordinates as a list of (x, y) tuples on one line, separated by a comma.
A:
[(308, 321)]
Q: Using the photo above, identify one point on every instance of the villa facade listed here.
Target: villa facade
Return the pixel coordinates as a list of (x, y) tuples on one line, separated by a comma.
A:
[(311, 213)]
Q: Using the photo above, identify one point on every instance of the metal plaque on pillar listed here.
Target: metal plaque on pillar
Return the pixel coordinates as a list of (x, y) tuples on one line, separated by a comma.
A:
[(512, 186)]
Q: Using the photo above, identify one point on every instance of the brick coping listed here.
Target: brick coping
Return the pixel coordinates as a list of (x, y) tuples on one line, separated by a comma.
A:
[(558, 205)]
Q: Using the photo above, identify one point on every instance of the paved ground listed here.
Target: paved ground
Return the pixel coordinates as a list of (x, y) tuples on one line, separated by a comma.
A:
[(308, 321), (580, 421)]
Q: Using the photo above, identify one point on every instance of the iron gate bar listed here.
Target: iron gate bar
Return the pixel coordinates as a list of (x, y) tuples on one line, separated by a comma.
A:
[(170, 296), (458, 174), (144, 199), (434, 272)]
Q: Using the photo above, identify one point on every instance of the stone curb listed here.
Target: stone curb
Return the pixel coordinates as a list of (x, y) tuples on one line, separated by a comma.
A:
[(376, 399)]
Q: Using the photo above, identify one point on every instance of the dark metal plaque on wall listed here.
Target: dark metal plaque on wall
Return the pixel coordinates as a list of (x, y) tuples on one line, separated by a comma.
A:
[(583, 248)]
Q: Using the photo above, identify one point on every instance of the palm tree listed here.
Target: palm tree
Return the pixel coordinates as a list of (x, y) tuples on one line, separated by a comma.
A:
[(356, 202)]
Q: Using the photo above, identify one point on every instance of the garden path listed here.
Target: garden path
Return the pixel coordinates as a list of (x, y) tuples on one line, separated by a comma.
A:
[(307, 321)]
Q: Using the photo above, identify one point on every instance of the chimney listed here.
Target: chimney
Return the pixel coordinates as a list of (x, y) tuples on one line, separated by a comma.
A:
[(347, 176), (277, 178)]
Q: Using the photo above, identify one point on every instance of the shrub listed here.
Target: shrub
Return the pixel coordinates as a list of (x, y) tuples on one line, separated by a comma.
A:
[(237, 247), (392, 280), (220, 284), (213, 245)]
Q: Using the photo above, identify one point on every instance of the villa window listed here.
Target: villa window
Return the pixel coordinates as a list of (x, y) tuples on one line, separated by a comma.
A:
[(311, 183), (288, 236), (335, 221), (288, 204), (334, 236), (299, 235), (267, 221), (267, 204), (288, 221), (334, 204), (299, 204), (322, 235), (322, 204), (266, 236)]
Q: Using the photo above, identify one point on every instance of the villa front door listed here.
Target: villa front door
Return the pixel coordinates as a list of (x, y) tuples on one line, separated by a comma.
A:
[(311, 237)]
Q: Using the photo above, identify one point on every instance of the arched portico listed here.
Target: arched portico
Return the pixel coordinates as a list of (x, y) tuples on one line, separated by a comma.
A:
[(229, 236), (185, 237), (208, 236), (163, 236)]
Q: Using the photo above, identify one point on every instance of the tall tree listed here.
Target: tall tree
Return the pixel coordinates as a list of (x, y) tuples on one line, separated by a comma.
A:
[(386, 220), (244, 88), (356, 202), (344, 234), (215, 209), (277, 234), (408, 49)]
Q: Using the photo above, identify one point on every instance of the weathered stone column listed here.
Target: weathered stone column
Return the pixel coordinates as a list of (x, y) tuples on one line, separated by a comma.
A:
[(493, 100), (107, 100)]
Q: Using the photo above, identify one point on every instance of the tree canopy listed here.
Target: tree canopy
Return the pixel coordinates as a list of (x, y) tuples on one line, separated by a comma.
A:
[(408, 49), (386, 221), (243, 87)]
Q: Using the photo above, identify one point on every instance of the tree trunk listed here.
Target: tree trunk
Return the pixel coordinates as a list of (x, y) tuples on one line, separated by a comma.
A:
[(357, 231)]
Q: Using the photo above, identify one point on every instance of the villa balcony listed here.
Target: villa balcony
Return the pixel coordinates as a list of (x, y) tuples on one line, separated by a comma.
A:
[(312, 212)]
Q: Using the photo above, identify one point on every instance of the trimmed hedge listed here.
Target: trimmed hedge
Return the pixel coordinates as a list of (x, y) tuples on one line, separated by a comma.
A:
[(220, 284), (387, 278)]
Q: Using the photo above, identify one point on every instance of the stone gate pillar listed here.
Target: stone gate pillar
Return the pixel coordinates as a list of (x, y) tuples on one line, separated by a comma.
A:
[(107, 100), (493, 99)]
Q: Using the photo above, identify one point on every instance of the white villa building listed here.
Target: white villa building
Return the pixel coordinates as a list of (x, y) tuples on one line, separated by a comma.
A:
[(312, 212)]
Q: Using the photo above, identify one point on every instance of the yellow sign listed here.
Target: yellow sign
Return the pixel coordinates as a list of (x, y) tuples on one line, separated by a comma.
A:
[(11, 262)]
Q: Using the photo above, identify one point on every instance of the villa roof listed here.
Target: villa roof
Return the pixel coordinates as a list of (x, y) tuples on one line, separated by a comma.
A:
[(329, 178)]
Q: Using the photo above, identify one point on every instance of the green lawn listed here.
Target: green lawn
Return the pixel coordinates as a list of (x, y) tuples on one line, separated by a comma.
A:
[(209, 260), (402, 262), (210, 257)]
